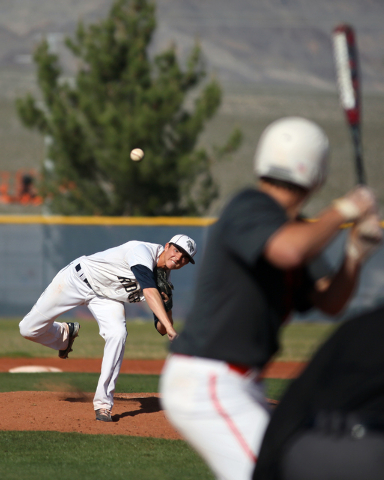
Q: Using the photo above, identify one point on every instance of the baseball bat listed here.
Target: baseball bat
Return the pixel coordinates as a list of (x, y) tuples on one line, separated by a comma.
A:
[(348, 81)]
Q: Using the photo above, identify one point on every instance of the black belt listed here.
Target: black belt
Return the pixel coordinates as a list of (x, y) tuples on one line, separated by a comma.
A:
[(81, 275)]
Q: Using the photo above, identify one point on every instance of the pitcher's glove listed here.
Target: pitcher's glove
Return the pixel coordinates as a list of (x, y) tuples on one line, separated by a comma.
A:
[(165, 287)]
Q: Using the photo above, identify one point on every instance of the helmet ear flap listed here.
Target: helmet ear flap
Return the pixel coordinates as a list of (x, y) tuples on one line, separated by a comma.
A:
[(295, 150)]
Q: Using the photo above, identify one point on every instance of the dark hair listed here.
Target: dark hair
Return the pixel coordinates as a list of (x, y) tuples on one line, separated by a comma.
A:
[(287, 185)]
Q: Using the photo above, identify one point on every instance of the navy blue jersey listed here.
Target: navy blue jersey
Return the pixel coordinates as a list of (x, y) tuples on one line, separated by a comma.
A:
[(241, 300)]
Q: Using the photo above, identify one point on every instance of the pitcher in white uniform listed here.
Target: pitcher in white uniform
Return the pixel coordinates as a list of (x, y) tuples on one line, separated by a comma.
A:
[(104, 282)]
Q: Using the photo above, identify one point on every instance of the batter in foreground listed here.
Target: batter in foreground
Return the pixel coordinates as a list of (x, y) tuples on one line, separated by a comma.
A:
[(130, 273), (261, 262)]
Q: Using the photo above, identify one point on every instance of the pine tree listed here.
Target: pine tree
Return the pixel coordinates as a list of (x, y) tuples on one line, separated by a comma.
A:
[(121, 99)]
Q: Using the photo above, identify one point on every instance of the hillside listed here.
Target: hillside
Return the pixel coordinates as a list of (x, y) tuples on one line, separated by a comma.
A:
[(273, 58), (265, 42)]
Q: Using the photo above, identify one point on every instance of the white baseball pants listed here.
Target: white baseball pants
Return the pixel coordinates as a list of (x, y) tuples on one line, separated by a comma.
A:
[(221, 413), (65, 292)]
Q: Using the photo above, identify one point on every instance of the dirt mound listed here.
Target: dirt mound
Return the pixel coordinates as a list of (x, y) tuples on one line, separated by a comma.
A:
[(134, 414)]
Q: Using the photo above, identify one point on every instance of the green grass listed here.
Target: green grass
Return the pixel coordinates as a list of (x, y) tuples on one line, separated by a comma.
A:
[(275, 387), (73, 456), (299, 341), (143, 341), (86, 382)]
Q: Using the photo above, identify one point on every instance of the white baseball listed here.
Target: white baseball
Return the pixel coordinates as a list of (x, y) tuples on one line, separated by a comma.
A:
[(137, 154)]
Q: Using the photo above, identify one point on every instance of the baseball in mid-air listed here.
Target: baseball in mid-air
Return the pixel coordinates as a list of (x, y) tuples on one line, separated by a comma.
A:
[(137, 154)]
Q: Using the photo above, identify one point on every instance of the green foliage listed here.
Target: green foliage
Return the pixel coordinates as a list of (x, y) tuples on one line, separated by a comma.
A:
[(75, 456), (120, 99)]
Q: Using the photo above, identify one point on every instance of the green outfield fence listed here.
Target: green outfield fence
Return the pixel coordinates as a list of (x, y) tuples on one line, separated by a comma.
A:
[(34, 248)]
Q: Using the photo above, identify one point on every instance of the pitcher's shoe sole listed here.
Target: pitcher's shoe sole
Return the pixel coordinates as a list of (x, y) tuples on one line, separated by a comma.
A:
[(74, 328)]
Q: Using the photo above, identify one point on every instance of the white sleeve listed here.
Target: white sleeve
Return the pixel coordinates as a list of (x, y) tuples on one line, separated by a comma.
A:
[(140, 255)]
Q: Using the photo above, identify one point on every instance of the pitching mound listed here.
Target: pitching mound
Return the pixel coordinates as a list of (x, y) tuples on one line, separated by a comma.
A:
[(136, 414)]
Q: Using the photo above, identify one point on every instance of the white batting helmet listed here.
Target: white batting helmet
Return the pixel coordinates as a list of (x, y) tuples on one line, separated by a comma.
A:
[(295, 150)]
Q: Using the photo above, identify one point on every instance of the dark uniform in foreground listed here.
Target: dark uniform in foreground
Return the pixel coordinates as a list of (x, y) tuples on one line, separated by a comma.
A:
[(253, 274), (329, 424)]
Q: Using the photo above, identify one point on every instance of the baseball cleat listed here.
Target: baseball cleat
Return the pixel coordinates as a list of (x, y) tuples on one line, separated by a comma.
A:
[(104, 415), (74, 328)]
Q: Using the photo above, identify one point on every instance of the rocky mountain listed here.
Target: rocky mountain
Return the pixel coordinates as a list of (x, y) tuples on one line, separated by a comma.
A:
[(247, 42)]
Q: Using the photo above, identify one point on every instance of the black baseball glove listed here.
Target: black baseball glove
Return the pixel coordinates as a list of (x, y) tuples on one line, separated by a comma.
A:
[(164, 286)]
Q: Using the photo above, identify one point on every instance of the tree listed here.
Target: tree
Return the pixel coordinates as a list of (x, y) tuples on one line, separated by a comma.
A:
[(121, 99)]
